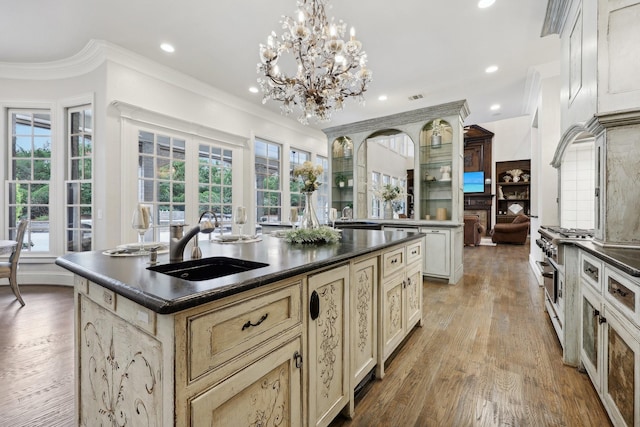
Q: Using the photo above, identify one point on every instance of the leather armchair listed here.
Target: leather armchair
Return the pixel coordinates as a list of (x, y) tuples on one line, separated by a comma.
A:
[(472, 230), (515, 232)]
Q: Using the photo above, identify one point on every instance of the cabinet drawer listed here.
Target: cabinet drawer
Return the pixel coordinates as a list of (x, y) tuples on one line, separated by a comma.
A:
[(267, 387), (393, 261), (414, 252), (591, 270), (218, 336), (622, 292)]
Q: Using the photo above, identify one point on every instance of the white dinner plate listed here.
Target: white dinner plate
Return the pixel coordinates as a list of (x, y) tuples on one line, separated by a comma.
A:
[(229, 237), (145, 245)]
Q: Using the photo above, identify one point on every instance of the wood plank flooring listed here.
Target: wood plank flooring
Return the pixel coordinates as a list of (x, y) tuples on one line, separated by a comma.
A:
[(486, 356), (36, 357)]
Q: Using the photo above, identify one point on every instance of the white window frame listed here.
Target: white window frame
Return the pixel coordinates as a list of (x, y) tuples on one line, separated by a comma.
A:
[(259, 207), (75, 225), (11, 228)]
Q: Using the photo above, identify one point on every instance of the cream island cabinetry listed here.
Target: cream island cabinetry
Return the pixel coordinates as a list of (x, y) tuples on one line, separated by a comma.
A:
[(283, 351)]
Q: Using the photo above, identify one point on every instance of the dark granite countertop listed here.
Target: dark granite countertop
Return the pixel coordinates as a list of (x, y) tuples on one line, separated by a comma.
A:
[(406, 222), (625, 259), (129, 277)]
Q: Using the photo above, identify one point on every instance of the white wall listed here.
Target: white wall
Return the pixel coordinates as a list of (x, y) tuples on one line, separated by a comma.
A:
[(512, 141)]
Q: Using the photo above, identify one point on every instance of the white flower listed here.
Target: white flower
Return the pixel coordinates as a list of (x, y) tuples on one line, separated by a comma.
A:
[(308, 174), (389, 192)]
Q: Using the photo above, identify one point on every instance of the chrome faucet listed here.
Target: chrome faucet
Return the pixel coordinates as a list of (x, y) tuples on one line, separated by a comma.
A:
[(178, 240)]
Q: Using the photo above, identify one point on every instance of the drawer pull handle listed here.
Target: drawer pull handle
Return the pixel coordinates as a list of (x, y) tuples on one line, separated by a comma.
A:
[(314, 305), (619, 291), (591, 271), (249, 324), (413, 252), (298, 359)]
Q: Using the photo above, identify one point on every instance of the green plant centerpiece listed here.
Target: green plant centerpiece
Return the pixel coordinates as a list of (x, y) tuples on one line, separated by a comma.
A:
[(310, 230), (321, 234)]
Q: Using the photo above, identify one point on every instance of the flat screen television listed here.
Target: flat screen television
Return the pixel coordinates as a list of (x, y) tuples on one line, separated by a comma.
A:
[(473, 182)]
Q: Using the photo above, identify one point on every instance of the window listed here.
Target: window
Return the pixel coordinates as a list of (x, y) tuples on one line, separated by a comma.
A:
[(268, 178), (78, 183), (296, 158), (215, 178), (161, 180), (29, 175), (375, 202), (323, 190)]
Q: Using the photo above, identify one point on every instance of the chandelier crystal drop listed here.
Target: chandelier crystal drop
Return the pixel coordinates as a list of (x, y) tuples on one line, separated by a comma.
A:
[(326, 71)]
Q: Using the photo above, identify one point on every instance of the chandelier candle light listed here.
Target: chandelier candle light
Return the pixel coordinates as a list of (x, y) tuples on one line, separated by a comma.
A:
[(329, 70)]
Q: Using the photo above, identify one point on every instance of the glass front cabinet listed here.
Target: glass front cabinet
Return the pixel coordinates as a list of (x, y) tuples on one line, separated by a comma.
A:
[(428, 165), (436, 162), (342, 173)]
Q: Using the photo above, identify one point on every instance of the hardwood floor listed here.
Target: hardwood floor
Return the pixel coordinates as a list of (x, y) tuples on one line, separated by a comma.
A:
[(36, 357), (486, 356)]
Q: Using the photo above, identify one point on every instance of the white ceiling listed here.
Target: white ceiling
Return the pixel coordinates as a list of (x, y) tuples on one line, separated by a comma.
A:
[(437, 48)]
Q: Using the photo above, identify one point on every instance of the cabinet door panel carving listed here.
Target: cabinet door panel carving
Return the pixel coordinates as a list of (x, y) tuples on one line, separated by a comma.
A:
[(328, 346), (119, 372), (364, 289), (253, 397)]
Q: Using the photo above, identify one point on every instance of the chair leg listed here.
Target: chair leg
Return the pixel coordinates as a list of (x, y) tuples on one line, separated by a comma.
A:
[(13, 281)]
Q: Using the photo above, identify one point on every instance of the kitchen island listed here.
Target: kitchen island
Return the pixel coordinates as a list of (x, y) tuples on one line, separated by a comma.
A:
[(284, 344)]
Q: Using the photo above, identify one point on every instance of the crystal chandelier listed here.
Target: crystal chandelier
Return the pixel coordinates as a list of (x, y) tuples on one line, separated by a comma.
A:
[(327, 69)]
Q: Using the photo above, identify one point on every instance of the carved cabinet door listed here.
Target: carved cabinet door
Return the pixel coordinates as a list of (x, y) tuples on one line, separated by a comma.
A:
[(328, 344), (413, 296), (364, 321), (392, 316), (119, 370), (266, 393)]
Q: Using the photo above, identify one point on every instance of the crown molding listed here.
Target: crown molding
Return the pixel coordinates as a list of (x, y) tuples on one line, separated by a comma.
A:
[(86, 60)]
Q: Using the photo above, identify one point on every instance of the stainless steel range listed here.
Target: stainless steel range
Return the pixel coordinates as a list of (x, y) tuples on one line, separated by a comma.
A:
[(553, 286)]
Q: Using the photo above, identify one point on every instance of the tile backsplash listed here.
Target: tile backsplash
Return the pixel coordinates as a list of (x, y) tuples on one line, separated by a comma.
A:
[(577, 186)]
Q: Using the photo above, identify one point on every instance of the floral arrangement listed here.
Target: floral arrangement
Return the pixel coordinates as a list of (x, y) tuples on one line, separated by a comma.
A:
[(308, 174), (313, 235), (389, 192)]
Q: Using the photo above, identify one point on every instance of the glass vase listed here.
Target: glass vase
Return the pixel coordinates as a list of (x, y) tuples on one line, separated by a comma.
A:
[(309, 218), (388, 210)]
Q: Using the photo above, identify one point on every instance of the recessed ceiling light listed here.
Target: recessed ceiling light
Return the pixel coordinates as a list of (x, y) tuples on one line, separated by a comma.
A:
[(253, 89), (485, 3), (167, 47), (382, 98), (495, 107), (491, 69)]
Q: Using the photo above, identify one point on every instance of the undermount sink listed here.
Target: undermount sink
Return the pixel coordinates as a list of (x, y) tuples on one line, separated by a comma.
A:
[(206, 268)]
